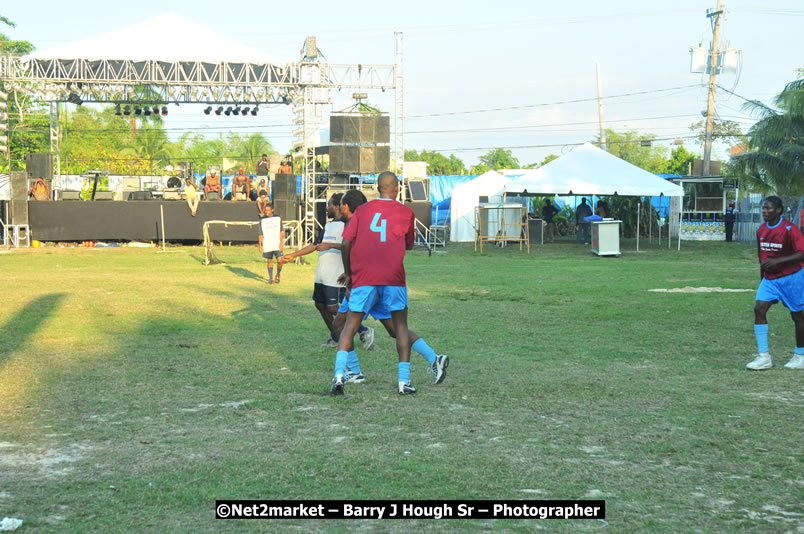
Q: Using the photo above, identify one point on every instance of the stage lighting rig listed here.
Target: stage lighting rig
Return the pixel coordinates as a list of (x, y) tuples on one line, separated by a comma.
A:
[(117, 110), (137, 110), (147, 111), (164, 110), (219, 110), (207, 110), (236, 111), (244, 111), (254, 111), (228, 111), (127, 110), (74, 99)]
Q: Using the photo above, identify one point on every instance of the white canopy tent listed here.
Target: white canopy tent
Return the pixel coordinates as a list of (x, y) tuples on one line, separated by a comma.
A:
[(589, 170), (465, 199), (168, 37)]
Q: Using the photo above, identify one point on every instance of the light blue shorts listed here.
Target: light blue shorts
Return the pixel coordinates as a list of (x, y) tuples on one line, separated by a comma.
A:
[(789, 289), (378, 312), (385, 299)]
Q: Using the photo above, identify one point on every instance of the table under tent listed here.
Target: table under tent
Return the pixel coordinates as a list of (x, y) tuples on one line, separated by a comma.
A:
[(590, 171)]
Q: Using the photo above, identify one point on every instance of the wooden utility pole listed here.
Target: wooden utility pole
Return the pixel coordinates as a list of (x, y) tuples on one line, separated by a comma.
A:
[(600, 108), (710, 108)]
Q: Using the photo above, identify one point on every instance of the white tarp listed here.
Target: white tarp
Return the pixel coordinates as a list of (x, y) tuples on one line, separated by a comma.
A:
[(465, 199), (589, 170), (168, 37)]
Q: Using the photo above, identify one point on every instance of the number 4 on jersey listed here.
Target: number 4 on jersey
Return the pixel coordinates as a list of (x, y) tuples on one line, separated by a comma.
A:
[(378, 227)]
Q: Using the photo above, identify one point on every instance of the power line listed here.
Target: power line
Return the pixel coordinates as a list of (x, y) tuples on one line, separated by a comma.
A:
[(561, 102)]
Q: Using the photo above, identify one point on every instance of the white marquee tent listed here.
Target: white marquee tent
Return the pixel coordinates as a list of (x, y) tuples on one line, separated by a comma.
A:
[(589, 170), (168, 37), (465, 200)]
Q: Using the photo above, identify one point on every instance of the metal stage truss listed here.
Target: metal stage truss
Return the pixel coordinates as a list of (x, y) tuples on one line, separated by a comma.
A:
[(305, 85)]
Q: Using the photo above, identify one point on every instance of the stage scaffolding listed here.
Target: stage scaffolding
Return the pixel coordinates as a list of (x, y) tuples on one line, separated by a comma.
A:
[(305, 85)]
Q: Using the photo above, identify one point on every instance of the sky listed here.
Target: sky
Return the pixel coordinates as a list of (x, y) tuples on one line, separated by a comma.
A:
[(513, 74)]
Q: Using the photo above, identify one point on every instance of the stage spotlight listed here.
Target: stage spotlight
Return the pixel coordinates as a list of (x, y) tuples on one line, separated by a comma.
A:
[(207, 110), (236, 110), (117, 110), (164, 110), (219, 110), (228, 111), (244, 111), (156, 110), (127, 110), (286, 100), (147, 111), (254, 112), (137, 110)]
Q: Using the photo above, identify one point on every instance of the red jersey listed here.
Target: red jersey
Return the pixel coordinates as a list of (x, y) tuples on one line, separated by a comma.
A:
[(778, 241), (380, 232)]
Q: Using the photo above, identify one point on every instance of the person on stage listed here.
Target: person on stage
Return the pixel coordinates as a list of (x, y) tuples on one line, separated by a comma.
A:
[(213, 185), (191, 194), (241, 185)]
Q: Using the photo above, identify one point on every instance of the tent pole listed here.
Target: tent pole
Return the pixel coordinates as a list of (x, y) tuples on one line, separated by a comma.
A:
[(639, 212), (679, 232)]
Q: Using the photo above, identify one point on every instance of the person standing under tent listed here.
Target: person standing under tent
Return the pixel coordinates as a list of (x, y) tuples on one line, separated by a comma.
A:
[(191, 194), (548, 211), (271, 242), (582, 211), (728, 218), (780, 245)]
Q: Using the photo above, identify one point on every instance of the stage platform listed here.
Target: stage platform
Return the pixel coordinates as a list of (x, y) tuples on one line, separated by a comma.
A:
[(140, 220)]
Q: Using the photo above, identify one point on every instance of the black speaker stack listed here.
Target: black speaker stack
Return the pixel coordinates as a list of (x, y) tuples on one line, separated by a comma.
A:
[(285, 199)]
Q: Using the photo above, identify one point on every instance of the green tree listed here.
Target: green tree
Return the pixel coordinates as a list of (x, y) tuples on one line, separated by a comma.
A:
[(637, 149), (774, 161), (544, 162), (726, 132), (480, 168), (679, 163), (499, 158), (28, 121), (437, 163)]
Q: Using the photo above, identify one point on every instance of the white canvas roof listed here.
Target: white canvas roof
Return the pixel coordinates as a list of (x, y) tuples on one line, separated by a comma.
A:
[(589, 170), (465, 200), (168, 37)]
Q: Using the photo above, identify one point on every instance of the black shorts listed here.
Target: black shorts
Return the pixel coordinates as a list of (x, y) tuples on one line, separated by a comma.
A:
[(272, 254), (328, 295)]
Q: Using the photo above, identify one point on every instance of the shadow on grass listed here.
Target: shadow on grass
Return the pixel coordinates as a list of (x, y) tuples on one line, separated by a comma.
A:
[(25, 323), (245, 273)]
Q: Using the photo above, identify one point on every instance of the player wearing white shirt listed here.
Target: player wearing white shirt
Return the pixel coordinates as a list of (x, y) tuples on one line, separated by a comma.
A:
[(270, 240)]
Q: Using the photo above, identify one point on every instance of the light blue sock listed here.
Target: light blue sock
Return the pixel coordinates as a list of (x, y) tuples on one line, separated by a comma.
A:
[(353, 362), (761, 333), (424, 349), (800, 351), (340, 362), (404, 372)]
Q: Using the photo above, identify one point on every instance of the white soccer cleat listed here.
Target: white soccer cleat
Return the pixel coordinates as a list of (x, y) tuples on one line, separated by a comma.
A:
[(367, 337), (797, 362), (760, 363)]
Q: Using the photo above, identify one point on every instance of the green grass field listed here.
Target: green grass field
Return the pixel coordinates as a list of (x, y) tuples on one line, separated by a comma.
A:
[(137, 387)]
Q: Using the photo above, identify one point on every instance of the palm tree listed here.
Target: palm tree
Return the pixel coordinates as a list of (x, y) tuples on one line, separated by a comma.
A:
[(150, 143), (251, 149), (775, 158)]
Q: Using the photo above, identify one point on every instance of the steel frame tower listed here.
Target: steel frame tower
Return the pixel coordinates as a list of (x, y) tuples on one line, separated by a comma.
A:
[(305, 84)]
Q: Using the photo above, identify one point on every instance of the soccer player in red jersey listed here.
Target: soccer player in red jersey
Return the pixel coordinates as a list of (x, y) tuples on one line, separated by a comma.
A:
[(373, 251), (781, 257)]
